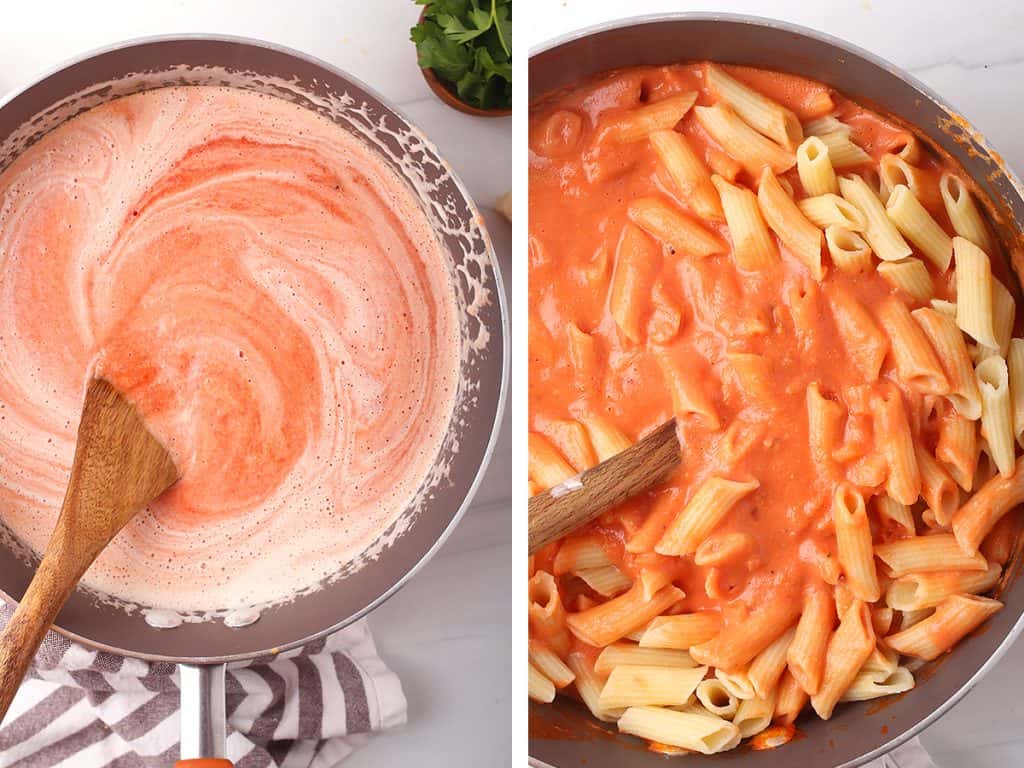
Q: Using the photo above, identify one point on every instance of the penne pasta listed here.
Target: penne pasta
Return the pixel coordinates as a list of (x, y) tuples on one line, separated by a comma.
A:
[(848, 250), (963, 213), (548, 664), (997, 412), (831, 210), (589, 685), (974, 313), (673, 229), (547, 466), (890, 512), (712, 502), (975, 519), (853, 537), (767, 117), (842, 151), (736, 644), (607, 580), (917, 225), (927, 554), (639, 123), (702, 733), (1015, 369), (688, 394), (896, 443), (682, 631), (753, 246), (866, 686), (957, 448), (605, 623), (910, 276), (916, 361), (768, 666), (937, 488), (790, 701), (636, 259), (848, 649), (948, 343), (690, 177), (955, 617), (799, 235), (752, 150), (926, 590), (629, 654), (570, 438), (815, 168), (716, 699), (539, 687), (881, 234), (636, 686), (806, 654), (754, 715)]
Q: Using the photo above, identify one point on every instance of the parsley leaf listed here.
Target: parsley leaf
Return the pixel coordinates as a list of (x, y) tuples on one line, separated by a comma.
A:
[(468, 45)]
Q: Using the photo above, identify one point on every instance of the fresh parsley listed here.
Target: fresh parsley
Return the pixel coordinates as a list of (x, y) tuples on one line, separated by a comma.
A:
[(468, 44)]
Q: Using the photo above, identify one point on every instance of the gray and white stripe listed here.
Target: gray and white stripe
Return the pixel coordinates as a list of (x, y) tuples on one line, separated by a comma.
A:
[(308, 708)]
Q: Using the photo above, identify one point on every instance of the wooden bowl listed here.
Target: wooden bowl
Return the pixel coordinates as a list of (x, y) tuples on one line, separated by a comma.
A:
[(445, 93)]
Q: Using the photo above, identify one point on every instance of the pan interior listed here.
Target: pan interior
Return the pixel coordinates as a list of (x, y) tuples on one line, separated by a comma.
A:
[(564, 734), (135, 67)]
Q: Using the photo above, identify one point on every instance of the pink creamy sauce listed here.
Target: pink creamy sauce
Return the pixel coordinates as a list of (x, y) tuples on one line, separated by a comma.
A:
[(272, 298)]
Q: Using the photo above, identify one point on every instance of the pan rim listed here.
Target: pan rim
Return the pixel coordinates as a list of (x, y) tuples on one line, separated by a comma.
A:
[(850, 48), (502, 394)]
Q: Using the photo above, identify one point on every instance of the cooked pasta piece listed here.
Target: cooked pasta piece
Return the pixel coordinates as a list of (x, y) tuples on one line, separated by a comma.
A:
[(1015, 367), (607, 439), (754, 715), (607, 581), (974, 312), (848, 649), (963, 213), (938, 489), (910, 276), (633, 686), (785, 219), (720, 549), (824, 429), (1004, 310), (636, 259), (848, 250), (546, 612), (853, 537), (957, 447), (891, 512), (790, 701), (974, 520), (639, 123), (605, 623), (948, 343), (831, 210), (716, 699), (690, 177), (955, 617), (927, 554), (630, 654), (753, 151), (702, 733), (738, 683), (688, 393), (589, 685), (997, 412), (894, 171), (895, 442), (815, 168), (681, 631), (673, 228), (761, 113), (867, 686), (753, 246), (711, 502), (548, 663), (539, 687), (842, 151), (736, 644), (578, 553), (926, 590), (916, 361), (547, 466), (768, 666), (883, 237), (571, 439), (917, 225)]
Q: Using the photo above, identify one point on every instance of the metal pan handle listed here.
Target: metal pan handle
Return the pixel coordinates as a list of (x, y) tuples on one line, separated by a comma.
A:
[(203, 719)]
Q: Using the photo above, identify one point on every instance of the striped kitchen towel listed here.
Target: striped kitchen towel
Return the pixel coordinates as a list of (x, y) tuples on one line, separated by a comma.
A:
[(307, 708)]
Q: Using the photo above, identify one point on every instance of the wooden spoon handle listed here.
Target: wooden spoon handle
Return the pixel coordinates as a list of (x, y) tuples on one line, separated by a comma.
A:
[(51, 587), (576, 502)]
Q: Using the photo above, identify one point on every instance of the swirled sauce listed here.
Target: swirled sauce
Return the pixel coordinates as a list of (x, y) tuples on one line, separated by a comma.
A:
[(272, 298)]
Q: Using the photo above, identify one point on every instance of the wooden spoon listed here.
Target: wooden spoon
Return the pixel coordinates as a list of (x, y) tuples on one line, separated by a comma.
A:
[(577, 501), (119, 467)]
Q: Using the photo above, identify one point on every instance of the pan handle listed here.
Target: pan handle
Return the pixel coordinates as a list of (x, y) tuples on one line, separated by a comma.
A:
[(203, 720)]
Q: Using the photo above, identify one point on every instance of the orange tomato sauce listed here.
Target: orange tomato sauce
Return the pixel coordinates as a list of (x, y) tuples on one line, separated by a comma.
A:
[(580, 188)]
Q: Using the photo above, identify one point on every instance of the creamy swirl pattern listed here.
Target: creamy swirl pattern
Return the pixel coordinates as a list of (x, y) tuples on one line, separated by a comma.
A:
[(272, 298)]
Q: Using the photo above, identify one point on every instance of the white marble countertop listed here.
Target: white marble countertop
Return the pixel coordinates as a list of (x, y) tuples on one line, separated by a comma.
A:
[(448, 633), (973, 55)]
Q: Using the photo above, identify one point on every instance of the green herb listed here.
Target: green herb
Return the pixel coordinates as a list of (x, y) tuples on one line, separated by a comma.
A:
[(468, 44)]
